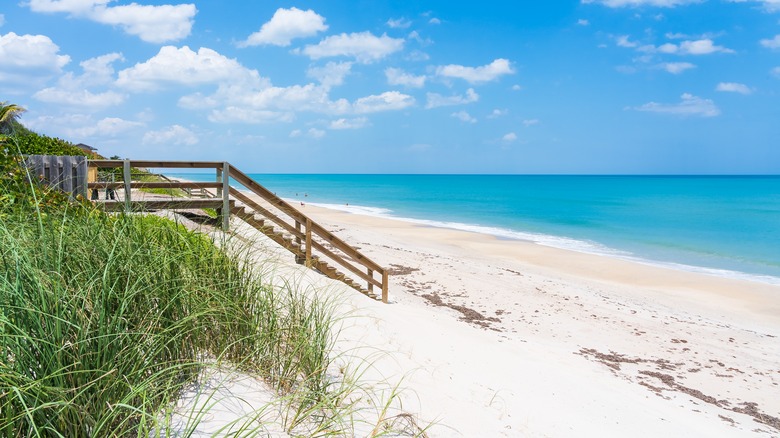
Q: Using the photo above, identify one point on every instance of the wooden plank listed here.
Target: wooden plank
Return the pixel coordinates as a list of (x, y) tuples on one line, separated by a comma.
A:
[(82, 174), (127, 181), (308, 241), (115, 206), (156, 185), (158, 164), (225, 196), (385, 285), (53, 178), (66, 163)]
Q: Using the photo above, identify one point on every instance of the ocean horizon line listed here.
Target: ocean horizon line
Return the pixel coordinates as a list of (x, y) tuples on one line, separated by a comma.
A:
[(650, 175)]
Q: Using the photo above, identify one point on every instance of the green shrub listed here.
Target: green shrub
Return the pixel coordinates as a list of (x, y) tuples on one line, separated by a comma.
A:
[(31, 143)]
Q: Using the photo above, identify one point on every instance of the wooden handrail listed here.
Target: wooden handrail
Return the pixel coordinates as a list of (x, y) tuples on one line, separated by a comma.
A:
[(298, 219), (158, 164), (155, 185), (311, 225), (265, 213)]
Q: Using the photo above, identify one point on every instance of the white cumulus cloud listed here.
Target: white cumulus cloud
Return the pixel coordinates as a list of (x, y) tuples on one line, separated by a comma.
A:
[(399, 23), (396, 76), (689, 105), (151, 23), (703, 46), (285, 26), (99, 70), (27, 58), (733, 87), (73, 91), (624, 41), (767, 5), (510, 137), (436, 100), (36, 52), (496, 113), (355, 123), (73, 7), (640, 3), (364, 47), (677, 67), (773, 43), (183, 66), (80, 98), (82, 126), (175, 135), (315, 133), (463, 116), (387, 101), (485, 73), (332, 74)]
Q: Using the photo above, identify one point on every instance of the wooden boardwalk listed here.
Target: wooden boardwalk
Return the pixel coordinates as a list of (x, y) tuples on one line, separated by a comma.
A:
[(310, 243)]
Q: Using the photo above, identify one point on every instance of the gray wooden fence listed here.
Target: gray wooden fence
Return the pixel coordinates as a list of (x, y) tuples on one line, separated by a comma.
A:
[(64, 172)]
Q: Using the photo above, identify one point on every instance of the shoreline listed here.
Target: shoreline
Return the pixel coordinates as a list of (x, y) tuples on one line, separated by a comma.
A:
[(580, 265), (546, 240)]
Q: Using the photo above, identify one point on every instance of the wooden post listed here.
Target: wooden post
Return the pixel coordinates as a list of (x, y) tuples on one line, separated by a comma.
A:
[(219, 179), (384, 286), (225, 196), (370, 285), (128, 181), (308, 242)]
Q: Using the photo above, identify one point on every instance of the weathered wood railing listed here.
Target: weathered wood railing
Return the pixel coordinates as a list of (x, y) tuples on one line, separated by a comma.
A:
[(310, 242)]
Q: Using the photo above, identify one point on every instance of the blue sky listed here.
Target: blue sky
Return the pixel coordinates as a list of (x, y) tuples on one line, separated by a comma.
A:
[(374, 86)]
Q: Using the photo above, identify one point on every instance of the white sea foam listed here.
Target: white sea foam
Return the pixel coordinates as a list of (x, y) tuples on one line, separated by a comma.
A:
[(356, 209), (560, 242)]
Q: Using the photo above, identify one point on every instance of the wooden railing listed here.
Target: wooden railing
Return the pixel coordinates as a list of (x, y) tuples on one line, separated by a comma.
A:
[(310, 242)]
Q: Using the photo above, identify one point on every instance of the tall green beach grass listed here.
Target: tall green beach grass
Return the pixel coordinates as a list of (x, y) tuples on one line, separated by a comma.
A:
[(104, 320)]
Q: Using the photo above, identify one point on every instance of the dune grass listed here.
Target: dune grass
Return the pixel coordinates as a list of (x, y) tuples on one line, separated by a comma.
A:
[(103, 321)]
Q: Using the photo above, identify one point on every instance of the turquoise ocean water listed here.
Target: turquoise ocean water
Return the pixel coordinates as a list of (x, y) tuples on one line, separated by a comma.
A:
[(723, 225)]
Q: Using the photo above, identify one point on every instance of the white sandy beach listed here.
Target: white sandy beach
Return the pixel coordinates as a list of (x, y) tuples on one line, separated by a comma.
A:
[(494, 338)]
